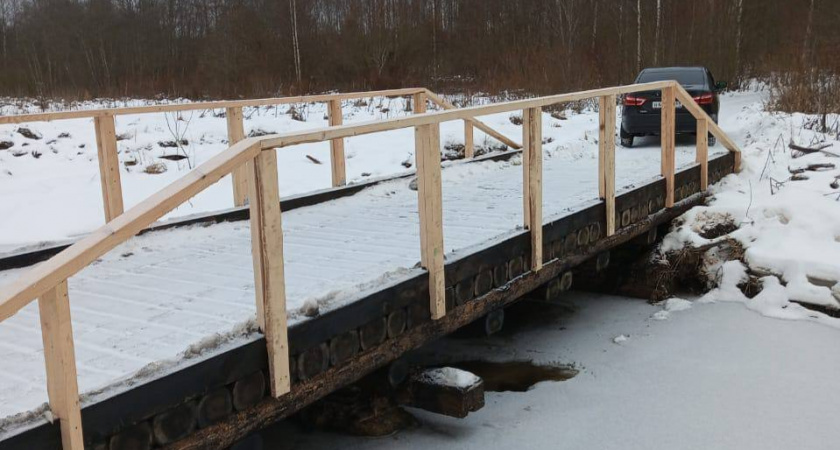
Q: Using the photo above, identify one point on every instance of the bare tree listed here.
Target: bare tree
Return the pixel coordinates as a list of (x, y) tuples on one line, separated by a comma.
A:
[(658, 27), (295, 42), (740, 17), (638, 35), (225, 48)]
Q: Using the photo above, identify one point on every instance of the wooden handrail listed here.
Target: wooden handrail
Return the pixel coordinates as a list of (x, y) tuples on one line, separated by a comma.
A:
[(106, 139), (257, 155), (41, 278), (65, 264), (362, 128), (688, 103), (197, 106), (440, 101)]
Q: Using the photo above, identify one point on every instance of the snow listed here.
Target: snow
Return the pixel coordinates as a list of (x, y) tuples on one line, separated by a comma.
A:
[(790, 232), (677, 304), (162, 299), (449, 376), (57, 195), (716, 376)]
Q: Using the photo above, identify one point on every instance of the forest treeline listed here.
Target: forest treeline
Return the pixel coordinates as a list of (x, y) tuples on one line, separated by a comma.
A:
[(233, 48)]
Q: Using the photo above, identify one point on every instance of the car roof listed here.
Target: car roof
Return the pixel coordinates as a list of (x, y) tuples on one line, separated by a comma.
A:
[(675, 68)]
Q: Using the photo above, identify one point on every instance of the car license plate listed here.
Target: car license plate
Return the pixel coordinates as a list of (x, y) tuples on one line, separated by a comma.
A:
[(658, 105)]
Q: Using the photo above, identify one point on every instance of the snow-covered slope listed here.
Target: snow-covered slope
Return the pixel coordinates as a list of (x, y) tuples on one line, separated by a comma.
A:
[(790, 228)]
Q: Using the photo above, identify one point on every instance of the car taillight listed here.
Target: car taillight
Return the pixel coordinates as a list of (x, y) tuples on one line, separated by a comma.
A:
[(705, 99), (632, 100)]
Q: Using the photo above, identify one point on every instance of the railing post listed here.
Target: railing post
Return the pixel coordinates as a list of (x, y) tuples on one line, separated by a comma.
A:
[(269, 279), (667, 138), (236, 133), (606, 158), (239, 176), (337, 162), (532, 181), (109, 166), (430, 206), (703, 152), (469, 143), (418, 102), (60, 359)]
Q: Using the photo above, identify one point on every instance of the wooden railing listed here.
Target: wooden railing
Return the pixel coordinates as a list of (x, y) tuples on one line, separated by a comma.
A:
[(257, 159), (106, 136)]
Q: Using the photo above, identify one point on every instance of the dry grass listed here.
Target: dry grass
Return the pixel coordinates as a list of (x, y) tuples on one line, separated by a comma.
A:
[(155, 168), (805, 92)]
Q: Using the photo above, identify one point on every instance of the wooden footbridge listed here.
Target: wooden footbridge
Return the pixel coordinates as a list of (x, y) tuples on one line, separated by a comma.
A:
[(283, 362)]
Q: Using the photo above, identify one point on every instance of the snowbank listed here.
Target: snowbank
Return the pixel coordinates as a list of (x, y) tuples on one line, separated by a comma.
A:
[(789, 227)]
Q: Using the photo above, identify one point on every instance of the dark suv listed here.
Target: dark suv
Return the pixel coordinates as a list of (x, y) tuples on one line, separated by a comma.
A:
[(641, 114)]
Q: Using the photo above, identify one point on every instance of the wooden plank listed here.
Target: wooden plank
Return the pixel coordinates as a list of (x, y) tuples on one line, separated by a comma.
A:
[(337, 161), (667, 138), (703, 152), (601, 144), (60, 359), (607, 146), (109, 166), (469, 140), (322, 134), (267, 248), (194, 106), (440, 101), (236, 133), (43, 277), (532, 181), (688, 103), (431, 390), (429, 197), (418, 103)]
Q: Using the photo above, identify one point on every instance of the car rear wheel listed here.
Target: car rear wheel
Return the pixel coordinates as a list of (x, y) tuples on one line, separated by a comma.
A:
[(626, 138), (712, 141)]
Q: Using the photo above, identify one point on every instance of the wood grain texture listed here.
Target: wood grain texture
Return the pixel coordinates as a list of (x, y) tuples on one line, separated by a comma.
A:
[(267, 251), (60, 359), (429, 197), (703, 152), (532, 181), (337, 161), (418, 102), (109, 166), (607, 158), (667, 137), (236, 133), (469, 140)]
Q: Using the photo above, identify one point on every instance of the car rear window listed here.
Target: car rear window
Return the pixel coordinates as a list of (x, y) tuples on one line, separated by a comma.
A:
[(684, 77)]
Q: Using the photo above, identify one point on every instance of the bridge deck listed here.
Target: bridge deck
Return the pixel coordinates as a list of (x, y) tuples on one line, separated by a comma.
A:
[(168, 295)]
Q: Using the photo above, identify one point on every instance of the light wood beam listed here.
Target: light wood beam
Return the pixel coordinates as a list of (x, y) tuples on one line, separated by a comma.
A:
[(60, 358), (267, 251)]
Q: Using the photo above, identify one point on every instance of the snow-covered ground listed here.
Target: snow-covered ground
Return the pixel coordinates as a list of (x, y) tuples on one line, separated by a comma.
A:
[(715, 376), (50, 187), (790, 228)]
